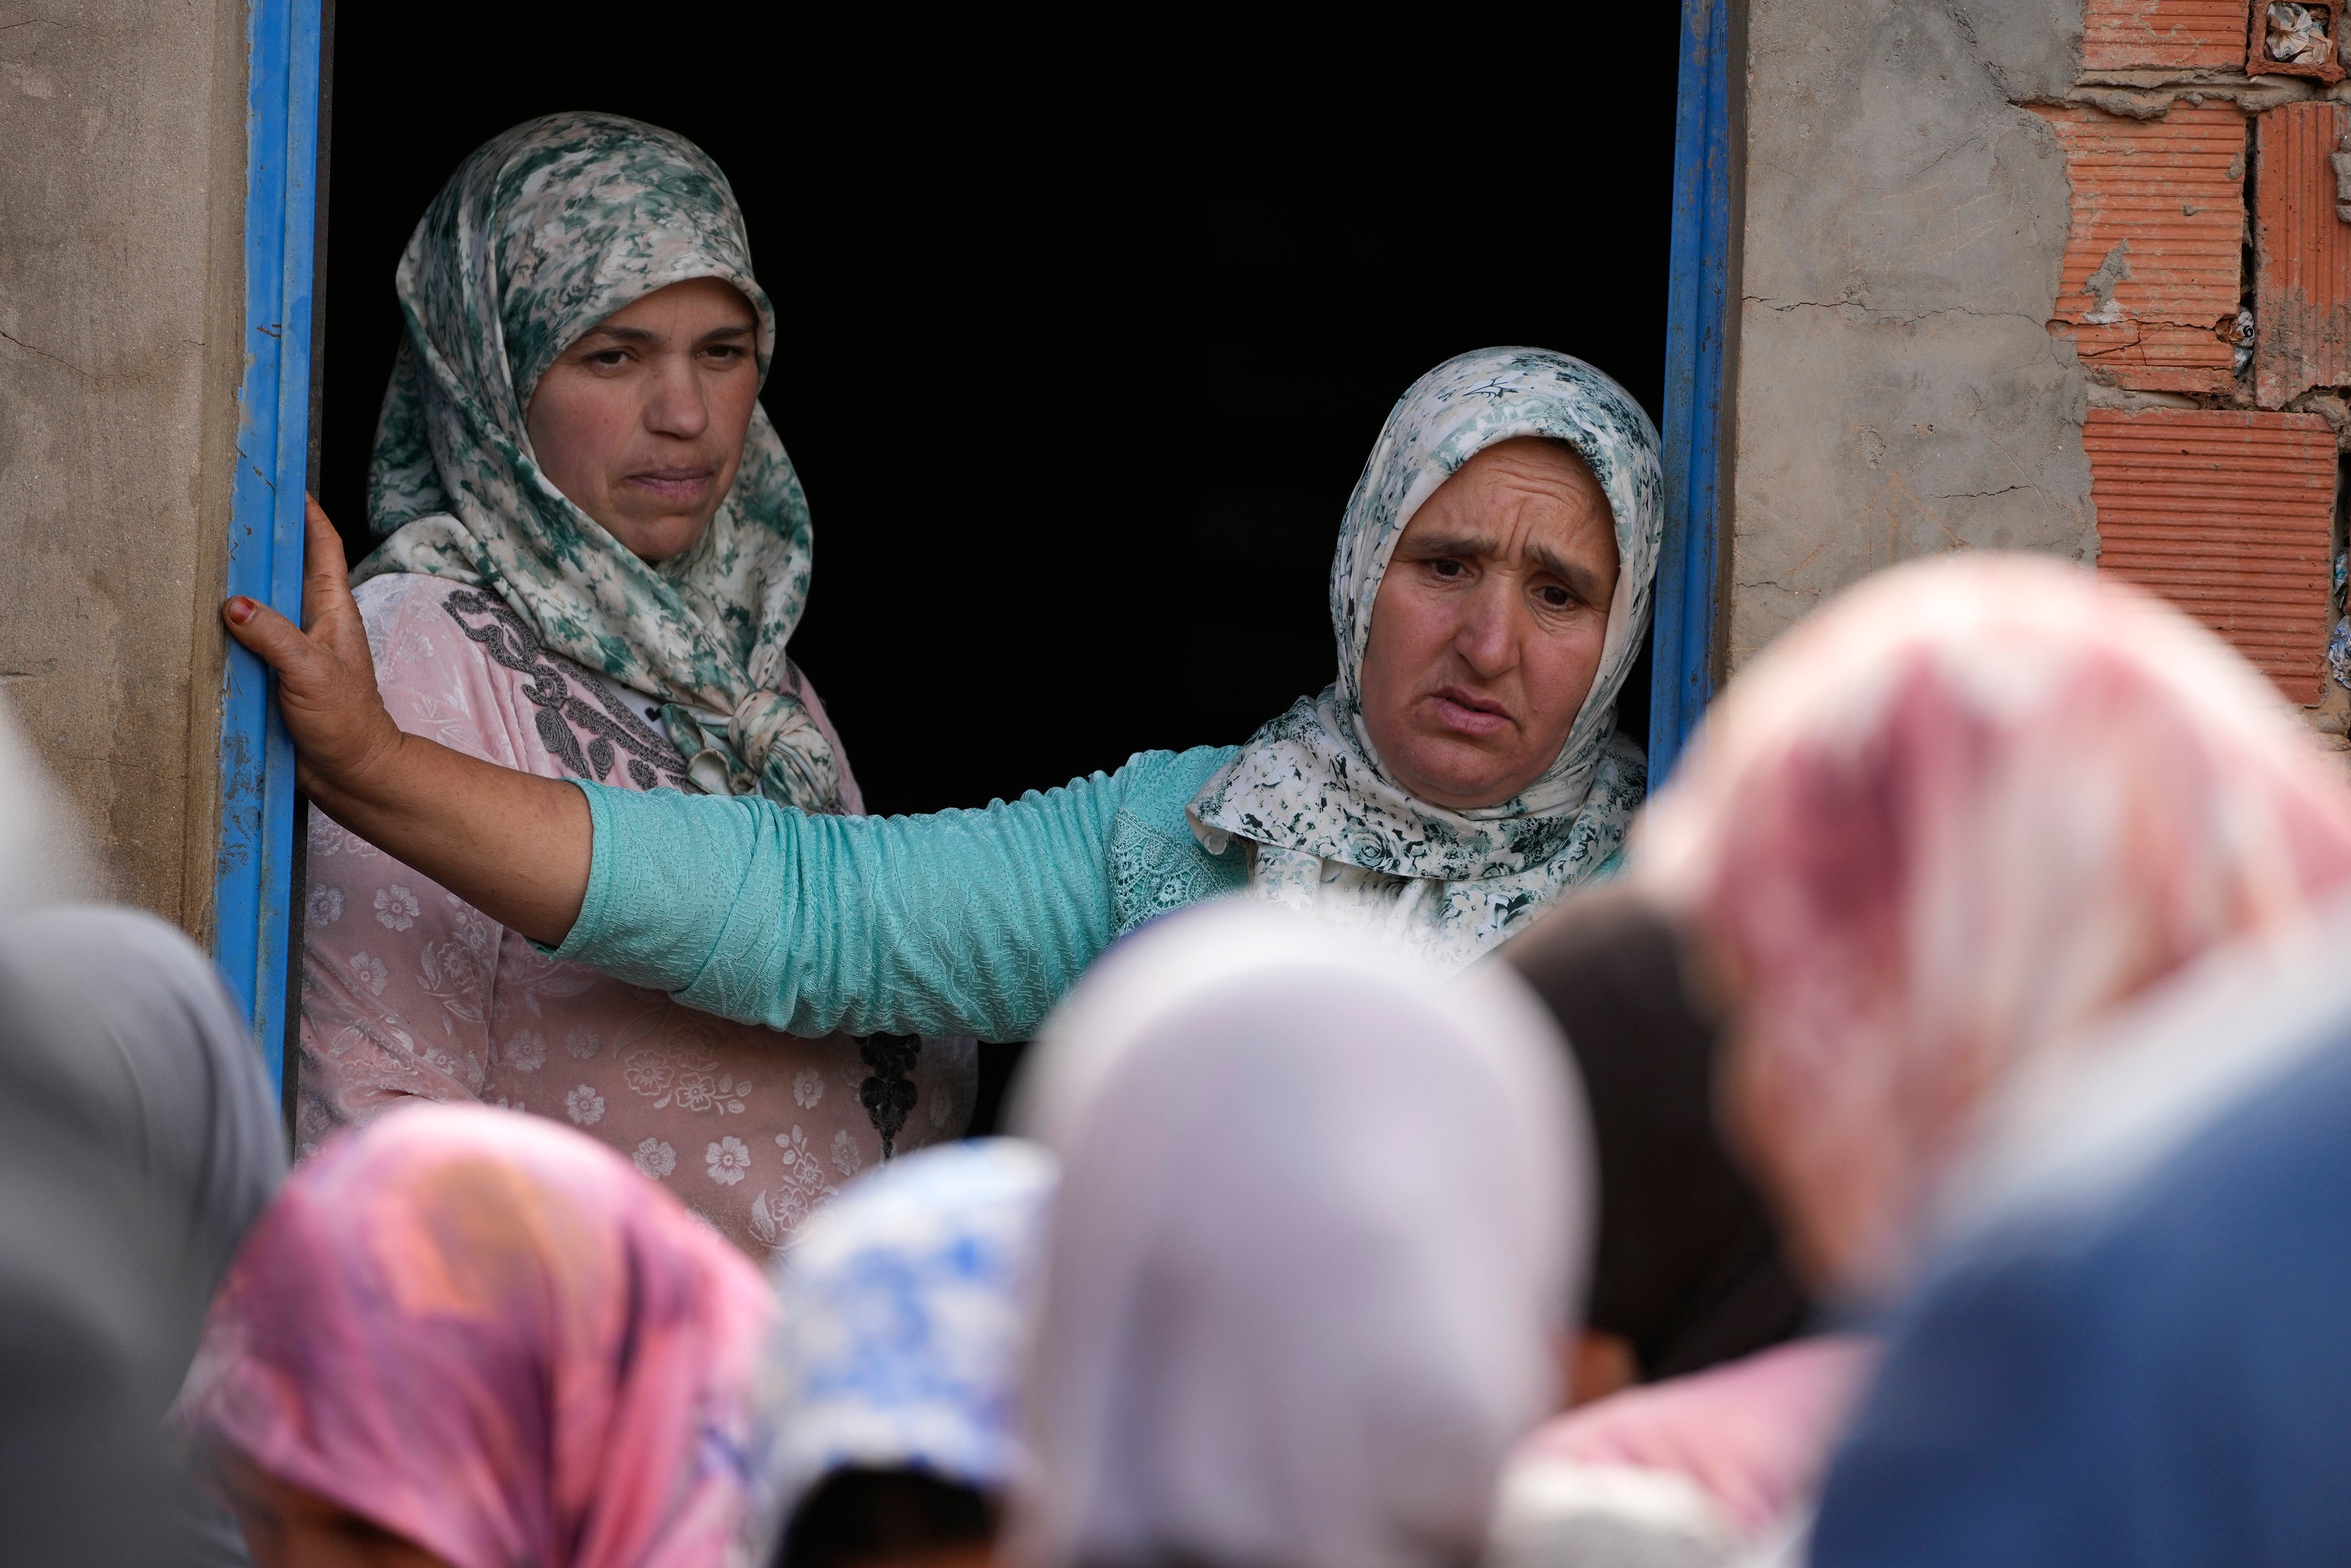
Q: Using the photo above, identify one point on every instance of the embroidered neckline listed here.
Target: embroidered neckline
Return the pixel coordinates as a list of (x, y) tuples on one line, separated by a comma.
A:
[(612, 731)]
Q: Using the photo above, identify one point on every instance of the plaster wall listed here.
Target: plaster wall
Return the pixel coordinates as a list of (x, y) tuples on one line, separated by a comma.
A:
[(1898, 392), (120, 280)]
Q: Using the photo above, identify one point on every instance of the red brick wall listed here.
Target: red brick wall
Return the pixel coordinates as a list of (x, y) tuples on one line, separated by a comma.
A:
[(2227, 505), (2230, 514), (2127, 35), (2302, 279), (2155, 260)]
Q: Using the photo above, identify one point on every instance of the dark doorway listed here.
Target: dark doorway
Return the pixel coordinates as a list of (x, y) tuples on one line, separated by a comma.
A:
[(1079, 358)]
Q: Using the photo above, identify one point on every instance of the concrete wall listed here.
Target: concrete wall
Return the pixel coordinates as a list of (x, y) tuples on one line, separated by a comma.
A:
[(121, 188), (1898, 392)]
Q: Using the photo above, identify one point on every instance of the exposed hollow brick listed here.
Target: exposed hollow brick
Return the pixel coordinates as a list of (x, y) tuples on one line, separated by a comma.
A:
[(2302, 255), (2178, 34), (2155, 258), (2230, 514)]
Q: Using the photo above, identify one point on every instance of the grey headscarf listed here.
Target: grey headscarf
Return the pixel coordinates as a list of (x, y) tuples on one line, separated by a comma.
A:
[(138, 1139), (165, 1077), (144, 1058)]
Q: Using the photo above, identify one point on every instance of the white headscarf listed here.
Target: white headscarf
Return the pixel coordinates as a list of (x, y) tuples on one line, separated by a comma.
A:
[(1319, 1223), (1335, 834), (41, 855)]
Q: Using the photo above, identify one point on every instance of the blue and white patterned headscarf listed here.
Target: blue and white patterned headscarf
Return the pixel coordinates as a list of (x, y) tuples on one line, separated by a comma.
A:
[(904, 1322), (1335, 834)]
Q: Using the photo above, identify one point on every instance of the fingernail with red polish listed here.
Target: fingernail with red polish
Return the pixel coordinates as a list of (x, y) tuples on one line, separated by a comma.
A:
[(241, 609)]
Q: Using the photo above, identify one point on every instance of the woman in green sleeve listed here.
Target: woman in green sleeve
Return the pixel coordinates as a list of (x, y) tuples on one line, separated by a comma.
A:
[(1490, 594)]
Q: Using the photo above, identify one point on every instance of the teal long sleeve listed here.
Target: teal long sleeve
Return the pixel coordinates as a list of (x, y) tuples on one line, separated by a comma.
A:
[(968, 922)]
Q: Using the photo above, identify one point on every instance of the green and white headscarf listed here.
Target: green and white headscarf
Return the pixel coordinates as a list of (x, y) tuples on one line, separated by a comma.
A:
[(541, 234), (1332, 831)]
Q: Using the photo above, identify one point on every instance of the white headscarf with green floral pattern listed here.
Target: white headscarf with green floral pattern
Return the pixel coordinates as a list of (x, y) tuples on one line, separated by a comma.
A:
[(1332, 831), (539, 235)]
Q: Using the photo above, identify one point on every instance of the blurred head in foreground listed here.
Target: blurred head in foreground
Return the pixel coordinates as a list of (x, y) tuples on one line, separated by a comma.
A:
[(1319, 1234), (1936, 833), (473, 1337), (1687, 1270), (2127, 1347), (138, 1138), (888, 1384), (119, 1041)]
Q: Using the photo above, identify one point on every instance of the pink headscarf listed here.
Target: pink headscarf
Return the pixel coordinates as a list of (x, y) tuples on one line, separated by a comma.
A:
[(486, 1333), (1940, 829)]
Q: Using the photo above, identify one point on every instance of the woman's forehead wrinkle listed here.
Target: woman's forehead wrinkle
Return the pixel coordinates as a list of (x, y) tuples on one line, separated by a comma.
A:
[(1519, 520), (1585, 576)]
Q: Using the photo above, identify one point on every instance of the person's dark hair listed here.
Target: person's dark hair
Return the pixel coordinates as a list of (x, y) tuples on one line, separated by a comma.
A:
[(858, 1516), (1688, 1266)]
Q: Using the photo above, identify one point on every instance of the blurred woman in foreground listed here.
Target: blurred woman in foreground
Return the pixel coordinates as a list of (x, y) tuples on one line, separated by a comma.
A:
[(2130, 1350), (138, 1140), (468, 1337), (1318, 1242), (886, 1391), (1935, 835), (1936, 840), (136, 1055)]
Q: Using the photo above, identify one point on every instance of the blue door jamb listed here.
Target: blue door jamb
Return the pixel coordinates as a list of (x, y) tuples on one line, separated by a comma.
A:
[(252, 877), (1697, 328)]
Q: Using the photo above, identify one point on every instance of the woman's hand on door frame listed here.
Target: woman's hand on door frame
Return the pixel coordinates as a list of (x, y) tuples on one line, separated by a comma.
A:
[(513, 845)]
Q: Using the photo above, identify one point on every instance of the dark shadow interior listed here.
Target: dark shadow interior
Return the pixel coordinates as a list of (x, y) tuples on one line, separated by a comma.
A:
[(1083, 339)]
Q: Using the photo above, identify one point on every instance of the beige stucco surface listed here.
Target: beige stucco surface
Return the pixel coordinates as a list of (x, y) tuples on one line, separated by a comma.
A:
[(121, 165), (1899, 393)]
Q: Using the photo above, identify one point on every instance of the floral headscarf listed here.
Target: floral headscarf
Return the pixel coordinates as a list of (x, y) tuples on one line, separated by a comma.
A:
[(541, 234), (904, 1317), (486, 1333), (1309, 789), (1941, 831)]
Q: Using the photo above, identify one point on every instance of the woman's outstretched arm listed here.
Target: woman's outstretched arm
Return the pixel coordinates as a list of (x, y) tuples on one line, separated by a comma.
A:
[(952, 922), (513, 845)]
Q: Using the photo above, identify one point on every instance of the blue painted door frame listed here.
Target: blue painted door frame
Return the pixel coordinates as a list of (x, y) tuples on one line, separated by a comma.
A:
[(1698, 329), (253, 873)]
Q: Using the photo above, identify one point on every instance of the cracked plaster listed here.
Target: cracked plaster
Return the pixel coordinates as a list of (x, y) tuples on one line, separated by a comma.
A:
[(1899, 393)]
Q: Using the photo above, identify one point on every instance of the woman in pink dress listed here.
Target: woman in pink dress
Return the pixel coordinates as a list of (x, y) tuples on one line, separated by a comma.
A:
[(597, 551)]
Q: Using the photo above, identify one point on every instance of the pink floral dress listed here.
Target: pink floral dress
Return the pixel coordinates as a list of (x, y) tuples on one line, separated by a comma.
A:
[(409, 993)]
